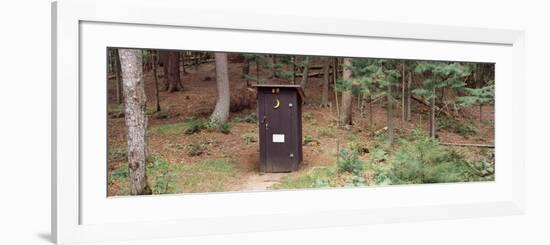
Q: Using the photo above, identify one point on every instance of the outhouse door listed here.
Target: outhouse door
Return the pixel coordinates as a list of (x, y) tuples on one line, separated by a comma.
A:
[(278, 132)]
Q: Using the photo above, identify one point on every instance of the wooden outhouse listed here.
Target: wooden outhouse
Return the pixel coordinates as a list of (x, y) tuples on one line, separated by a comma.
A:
[(280, 127)]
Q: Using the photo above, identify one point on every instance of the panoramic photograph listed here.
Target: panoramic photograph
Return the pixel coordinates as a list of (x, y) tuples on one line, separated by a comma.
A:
[(190, 121)]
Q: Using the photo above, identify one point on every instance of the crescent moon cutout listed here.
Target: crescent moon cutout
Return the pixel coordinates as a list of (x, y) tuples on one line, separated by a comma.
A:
[(277, 104)]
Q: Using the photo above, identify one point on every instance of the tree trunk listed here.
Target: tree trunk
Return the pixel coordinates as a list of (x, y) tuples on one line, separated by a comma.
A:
[(171, 67), (258, 81), (326, 72), (274, 65), (136, 119), (432, 114), (196, 59), (293, 61), (403, 109), (409, 83), (112, 62), (183, 64), (371, 121), (154, 63), (389, 119), (346, 95), (305, 73), (144, 60), (118, 78), (246, 68), (335, 78), (221, 111)]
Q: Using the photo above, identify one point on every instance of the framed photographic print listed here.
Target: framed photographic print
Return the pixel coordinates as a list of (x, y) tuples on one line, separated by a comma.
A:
[(171, 125)]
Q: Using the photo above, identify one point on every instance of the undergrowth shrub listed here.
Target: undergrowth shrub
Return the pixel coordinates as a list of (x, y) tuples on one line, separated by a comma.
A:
[(425, 160), (348, 160), (465, 129), (195, 149), (484, 169), (162, 176)]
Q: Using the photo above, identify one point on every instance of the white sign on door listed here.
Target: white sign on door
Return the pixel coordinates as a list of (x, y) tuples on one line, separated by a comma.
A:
[(278, 138)]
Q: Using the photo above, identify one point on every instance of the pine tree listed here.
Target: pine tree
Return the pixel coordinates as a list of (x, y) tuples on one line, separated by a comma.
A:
[(440, 75), (379, 78), (261, 61), (478, 97)]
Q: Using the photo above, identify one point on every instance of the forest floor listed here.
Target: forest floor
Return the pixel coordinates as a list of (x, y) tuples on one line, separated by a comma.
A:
[(207, 161)]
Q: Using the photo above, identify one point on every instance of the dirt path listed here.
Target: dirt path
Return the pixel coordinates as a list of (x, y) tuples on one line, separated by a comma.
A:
[(261, 181)]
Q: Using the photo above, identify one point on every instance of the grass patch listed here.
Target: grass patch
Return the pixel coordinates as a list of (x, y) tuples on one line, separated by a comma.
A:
[(317, 177), (307, 115), (189, 126), (208, 176), (115, 108), (175, 146), (195, 149), (250, 118), (168, 178), (118, 154), (119, 179), (115, 111), (325, 132), (309, 138), (224, 128), (249, 137)]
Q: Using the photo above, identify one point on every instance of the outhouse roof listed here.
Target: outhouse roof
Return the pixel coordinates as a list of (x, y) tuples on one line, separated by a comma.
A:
[(294, 86)]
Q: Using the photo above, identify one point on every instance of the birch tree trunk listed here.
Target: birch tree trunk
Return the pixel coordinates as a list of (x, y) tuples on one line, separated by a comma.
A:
[(135, 118), (221, 111), (346, 95), (326, 76)]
